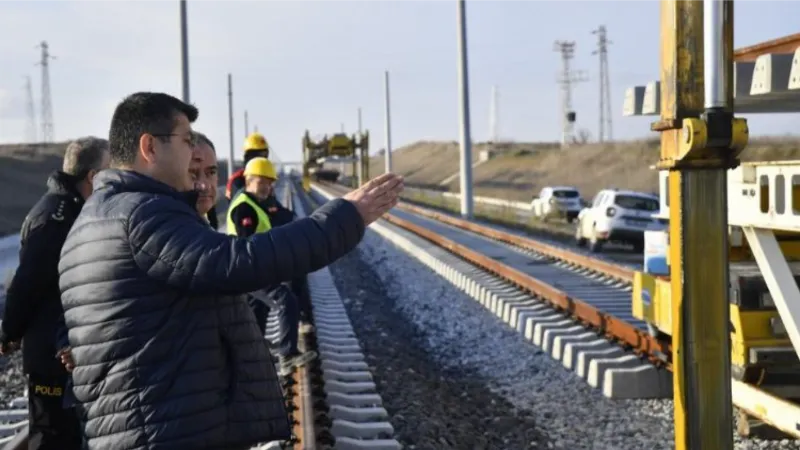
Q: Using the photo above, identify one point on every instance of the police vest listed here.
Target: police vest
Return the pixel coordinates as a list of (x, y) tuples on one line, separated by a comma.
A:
[(263, 225)]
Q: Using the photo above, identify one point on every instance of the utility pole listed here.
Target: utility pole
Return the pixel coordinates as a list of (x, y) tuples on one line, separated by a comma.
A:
[(230, 126), (246, 125), (30, 126), (48, 132), (567, 79), (387, 158), (605, 85), (184, 52), (493, 117), (360, 166), (463, 89)]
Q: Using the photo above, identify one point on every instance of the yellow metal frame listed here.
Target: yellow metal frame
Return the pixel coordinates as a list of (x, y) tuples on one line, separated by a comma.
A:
[(336, 145), (698, 251)]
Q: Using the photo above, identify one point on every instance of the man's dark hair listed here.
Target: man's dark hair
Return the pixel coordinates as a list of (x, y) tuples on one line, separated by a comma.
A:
[(83, 155), (203, 138), (143, 112)]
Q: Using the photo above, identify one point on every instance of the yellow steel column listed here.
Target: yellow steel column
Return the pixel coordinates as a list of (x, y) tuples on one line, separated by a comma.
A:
[(697, 147)]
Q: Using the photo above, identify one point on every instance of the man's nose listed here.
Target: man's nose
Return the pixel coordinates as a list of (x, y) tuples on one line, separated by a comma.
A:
[(200, 186)]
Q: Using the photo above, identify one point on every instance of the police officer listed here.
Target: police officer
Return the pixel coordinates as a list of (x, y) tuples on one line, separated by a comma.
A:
[(33, 299), (255, 210)]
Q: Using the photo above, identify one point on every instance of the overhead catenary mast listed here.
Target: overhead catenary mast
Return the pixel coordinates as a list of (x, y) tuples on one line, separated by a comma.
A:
[(567, 79), (605, 129)]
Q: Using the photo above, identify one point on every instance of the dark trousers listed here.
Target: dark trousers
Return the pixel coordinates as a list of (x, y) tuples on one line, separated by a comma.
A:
[(301, 291), (50, 425), (288, 318)]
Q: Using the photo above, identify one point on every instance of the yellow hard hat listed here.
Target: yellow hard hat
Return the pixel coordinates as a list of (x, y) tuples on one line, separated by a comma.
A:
[(255, 141), (261, 167)]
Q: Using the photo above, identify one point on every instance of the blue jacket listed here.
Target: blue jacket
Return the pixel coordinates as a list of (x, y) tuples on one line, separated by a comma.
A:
[(167, 352)]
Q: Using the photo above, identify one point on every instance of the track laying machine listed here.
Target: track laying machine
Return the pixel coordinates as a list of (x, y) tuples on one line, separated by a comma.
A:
[(338, 148), (764, 254)]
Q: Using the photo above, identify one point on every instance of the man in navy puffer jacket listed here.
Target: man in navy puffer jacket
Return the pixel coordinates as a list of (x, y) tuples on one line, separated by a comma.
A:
[(167, 353)]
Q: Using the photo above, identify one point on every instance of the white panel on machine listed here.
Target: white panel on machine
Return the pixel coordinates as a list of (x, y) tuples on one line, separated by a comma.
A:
[(771, 74), (794, 75), (651, 104), (765, 195)]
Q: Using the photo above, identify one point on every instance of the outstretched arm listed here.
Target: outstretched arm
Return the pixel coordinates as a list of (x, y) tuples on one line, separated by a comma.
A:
[(170, 244)]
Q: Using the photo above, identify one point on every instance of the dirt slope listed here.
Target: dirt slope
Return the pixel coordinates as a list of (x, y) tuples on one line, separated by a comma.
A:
[(517, 172), (520, 170), (23, 174)]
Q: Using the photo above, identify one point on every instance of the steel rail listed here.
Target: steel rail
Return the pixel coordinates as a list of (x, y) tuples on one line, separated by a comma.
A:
[(616, 271), (304, 426), (613, 328)]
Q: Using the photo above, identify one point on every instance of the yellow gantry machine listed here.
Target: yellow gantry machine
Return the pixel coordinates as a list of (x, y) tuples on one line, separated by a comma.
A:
[(700, 141), (338, 148)]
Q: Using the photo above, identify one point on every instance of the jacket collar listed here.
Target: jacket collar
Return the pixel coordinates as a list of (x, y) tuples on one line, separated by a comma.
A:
[(62, 183), (132, 181)]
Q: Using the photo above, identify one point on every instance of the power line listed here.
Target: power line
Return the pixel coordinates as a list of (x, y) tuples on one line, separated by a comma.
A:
[(605, 85), (567, 79), (30, 126), (48, 132)]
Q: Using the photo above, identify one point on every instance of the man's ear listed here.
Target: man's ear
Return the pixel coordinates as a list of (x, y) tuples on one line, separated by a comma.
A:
[(90, 176), (147, 147)]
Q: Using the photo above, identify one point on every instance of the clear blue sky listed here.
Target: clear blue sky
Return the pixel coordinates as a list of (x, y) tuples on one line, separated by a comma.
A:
[(302, 64)]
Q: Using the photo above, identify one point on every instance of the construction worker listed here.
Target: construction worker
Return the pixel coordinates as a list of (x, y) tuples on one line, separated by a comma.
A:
[(255, 146), (255, 210)]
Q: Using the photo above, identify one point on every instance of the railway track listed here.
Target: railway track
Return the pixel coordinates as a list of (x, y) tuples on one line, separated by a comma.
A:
[(575, 308), (336, 404)]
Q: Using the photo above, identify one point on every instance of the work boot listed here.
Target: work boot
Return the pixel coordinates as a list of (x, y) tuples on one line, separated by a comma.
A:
[(287, 363)]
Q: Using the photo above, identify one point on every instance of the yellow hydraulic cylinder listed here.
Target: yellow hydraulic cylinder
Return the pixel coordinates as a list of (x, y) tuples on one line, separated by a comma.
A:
[(698, 252)]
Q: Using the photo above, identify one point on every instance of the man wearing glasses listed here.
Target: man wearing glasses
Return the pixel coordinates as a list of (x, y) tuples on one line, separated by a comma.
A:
[(166, 350)]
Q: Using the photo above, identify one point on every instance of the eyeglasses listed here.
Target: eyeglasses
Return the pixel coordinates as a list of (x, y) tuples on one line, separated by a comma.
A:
[(192, 139)]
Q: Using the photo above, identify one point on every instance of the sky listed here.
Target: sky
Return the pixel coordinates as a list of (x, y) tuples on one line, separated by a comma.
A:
[(309, 65)]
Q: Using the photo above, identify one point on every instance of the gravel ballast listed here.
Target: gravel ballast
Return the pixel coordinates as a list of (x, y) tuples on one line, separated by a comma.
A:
[(13, 382), (452, 375)]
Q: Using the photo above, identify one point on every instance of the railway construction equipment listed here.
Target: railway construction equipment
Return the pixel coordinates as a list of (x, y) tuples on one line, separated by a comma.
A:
[(762, 236), (572, 309), (701, 141), (338, 148)]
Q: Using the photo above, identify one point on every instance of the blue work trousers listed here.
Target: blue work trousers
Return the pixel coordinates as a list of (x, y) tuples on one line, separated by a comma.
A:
[(288, 318)]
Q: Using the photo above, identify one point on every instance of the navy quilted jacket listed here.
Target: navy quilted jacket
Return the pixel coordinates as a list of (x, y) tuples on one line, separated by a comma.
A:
[(168, 354)]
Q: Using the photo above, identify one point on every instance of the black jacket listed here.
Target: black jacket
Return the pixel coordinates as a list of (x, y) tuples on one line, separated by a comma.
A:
[(245, 218), (33, 300), (167, 351)]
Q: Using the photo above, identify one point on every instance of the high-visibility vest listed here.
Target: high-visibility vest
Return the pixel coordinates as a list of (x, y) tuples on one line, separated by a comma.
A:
[(263, 225)]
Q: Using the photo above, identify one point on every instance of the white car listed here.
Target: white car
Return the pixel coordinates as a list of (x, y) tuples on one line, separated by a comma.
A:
[(557, 202), (619, 216)]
